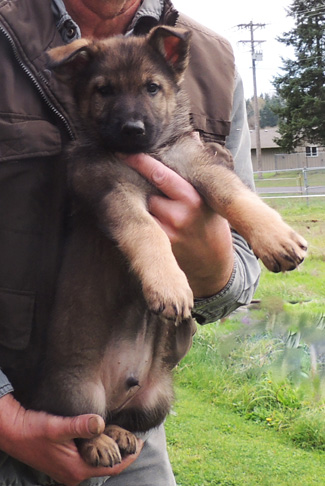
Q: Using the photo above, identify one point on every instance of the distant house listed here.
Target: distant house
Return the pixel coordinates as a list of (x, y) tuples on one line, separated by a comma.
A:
[(273, 157), (268, 147)]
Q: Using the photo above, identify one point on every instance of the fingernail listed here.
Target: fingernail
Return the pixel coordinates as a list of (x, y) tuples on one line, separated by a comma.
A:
[(94, 426), (158, 175)]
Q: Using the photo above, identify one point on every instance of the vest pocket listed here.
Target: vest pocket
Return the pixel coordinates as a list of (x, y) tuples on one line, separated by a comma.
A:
[(213, 130), (24, 137), (16, 317)]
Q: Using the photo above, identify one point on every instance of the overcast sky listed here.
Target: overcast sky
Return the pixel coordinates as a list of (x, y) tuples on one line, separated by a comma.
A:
[(224, 16)]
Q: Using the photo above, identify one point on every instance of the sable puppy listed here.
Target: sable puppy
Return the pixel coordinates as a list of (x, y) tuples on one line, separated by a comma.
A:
[(113, 340)]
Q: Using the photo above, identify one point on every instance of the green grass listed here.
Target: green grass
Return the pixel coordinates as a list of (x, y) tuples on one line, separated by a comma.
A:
[(280, 179), (250, 406), (307, 284), (251, 366), (242, 417), (209, 445)]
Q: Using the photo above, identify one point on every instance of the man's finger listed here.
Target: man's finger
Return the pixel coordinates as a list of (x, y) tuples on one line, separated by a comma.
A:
[(83, 427), (166, 180)]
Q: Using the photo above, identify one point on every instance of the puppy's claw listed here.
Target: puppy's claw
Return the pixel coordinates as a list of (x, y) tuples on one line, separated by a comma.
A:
[(175, 310), (170, 303)]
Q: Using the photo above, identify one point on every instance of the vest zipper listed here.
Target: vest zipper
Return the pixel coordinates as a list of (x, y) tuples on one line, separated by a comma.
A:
[(37, 84)]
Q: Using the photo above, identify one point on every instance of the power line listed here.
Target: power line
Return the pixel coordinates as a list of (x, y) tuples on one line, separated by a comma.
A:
[(316, 11)]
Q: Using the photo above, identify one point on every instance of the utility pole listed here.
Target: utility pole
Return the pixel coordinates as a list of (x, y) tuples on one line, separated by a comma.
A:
[(252, 27)]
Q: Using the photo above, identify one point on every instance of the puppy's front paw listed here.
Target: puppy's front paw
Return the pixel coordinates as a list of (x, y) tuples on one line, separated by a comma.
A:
[(283, 250), (100, 451), (125, 440), (169, 295)]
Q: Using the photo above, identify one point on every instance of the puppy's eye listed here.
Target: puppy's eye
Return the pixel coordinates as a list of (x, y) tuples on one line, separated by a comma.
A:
[(153, 88), (105, 90)]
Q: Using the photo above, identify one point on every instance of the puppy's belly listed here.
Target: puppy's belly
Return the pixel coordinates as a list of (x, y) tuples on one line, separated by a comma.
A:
[(133, 375)]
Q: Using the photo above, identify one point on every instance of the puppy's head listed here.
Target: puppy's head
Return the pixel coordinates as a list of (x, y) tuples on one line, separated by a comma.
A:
[(125, 87)]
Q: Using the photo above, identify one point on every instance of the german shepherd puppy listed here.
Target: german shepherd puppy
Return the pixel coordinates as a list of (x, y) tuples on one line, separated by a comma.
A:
[(122, 318)]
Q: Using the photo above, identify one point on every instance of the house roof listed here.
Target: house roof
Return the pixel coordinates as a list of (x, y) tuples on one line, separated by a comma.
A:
[(267, 135)]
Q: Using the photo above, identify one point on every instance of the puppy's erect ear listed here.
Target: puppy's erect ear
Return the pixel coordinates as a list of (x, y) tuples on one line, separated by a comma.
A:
[(67, 61), (174, 44)]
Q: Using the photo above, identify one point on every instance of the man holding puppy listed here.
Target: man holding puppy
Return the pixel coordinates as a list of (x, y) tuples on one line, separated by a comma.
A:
[(36, 120)]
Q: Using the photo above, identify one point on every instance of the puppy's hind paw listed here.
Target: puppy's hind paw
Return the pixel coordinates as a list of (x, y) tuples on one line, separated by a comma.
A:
[(100, 451), (126, 441)]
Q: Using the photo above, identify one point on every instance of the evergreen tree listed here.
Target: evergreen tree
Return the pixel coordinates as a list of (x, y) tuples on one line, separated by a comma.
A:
[(268, 105), (268, 116), (301, 87)]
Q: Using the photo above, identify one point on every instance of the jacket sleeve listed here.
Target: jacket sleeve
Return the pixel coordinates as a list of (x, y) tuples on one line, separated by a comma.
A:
[(245, 276), (5, 385)]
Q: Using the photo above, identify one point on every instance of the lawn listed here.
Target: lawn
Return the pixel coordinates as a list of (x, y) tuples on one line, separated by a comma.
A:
[(251, 393), (210, 445), (293, 178), (307, 284)]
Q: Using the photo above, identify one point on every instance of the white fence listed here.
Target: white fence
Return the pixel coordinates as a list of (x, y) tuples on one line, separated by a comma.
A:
[(306, 182)]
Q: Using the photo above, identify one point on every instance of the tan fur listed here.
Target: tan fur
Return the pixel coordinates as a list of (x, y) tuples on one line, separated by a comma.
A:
[(113, 341)]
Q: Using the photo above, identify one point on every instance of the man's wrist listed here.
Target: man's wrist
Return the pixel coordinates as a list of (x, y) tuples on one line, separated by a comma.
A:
[(210, 286), (210, 309), (5, 385), (212, 264), (239, 289), (9, 411)]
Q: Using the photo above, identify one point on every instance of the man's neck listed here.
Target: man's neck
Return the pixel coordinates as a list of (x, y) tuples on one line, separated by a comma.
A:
[(102, 18)]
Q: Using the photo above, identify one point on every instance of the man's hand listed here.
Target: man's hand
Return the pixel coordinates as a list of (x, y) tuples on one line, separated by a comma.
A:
[(45, 442), (200, 238)]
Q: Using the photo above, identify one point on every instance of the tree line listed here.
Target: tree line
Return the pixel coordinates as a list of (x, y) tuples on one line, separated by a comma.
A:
[(298, 107)]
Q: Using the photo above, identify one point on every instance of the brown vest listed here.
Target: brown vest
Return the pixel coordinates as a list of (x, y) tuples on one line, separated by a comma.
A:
[(209, 81)]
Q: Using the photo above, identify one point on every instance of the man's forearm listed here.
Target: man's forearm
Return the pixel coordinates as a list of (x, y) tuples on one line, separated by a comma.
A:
[(245, 276), (238, 291)]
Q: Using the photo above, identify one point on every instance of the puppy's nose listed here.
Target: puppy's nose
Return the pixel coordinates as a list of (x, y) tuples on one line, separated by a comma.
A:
[(133, 128)]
